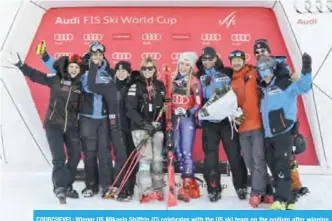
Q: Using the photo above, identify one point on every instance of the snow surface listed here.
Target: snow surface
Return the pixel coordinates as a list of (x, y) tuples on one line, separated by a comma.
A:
[(22, 192)]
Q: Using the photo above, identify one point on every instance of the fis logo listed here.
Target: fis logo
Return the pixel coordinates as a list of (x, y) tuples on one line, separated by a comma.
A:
[(88, 37), (153, 55), (313, 6), (228, 21), (121, 56), (60, 38)]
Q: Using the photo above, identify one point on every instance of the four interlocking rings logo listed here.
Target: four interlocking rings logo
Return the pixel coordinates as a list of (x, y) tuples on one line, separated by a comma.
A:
[(313, 6), (175, 56), (93, 37), (153, 55), (180, 99), (121, 55), (240, 37), (211, 37), (63, 37), (60, 54), (151, 37)]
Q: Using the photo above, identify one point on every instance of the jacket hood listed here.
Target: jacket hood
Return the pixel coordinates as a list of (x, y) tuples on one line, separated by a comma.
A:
[(61, 67)]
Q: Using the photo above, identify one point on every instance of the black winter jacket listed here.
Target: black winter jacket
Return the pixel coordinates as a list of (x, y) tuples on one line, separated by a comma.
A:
[(65, 94), (139, 108)]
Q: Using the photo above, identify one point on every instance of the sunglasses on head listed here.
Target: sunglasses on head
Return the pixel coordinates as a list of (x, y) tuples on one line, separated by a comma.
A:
[(97, 47), (149, 68), (207, 59), (260, 51)]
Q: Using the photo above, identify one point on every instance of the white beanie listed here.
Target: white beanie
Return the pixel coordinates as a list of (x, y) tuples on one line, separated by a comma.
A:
[(190, 57)]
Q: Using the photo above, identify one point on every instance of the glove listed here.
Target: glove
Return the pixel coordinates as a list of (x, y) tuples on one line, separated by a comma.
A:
[(306, 63), (180, 111), (41, 49), (207, 80), (156, 125), (15, 59), (150, 129), (239, 116)]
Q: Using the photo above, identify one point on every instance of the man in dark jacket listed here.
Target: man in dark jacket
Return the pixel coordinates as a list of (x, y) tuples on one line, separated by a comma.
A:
[(93, 122), (214, 75), (61, 122), (114, 93)]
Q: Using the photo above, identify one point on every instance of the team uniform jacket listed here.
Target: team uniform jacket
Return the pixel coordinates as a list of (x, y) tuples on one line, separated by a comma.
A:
[(143, 107), (64, 98), (190, 100), (92, 105)]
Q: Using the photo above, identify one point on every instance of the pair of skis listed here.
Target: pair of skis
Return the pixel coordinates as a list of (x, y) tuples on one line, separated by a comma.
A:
[(171, 195)]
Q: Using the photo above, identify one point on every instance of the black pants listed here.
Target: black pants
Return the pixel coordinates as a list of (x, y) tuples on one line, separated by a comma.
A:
[(96, 149), (63, 174), (212, 134), (130, 148), (119, 143), (278, 156)]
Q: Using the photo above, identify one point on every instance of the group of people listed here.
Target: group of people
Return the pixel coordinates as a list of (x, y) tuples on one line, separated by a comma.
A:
[(92, 106)]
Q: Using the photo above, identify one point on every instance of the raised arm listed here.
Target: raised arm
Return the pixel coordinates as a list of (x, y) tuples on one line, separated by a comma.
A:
[(94, 83), (34, 75)]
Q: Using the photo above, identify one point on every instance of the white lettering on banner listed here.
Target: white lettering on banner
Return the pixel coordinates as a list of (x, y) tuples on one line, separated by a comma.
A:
[(91, 20), (88, 37), (59, 54), (121, 55), (153, 55), (240, 38), (208, 37), (60, 38), (180, 36), (313, 7), (67, 21), (139, 20), (122, 36), (312, 21), (229, 20)]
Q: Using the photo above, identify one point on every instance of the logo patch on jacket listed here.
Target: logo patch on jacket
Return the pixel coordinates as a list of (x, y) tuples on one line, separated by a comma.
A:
[(132, 90), (68, 83), (274, 90), (51, 75)]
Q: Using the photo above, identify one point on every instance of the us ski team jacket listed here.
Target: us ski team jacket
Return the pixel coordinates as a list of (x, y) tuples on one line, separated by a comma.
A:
[(278, 105), (92, 105)]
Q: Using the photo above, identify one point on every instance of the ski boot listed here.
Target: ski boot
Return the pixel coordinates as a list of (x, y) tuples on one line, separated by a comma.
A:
[(71, 193), (110, 193), (213, 188), (146, 198), (90, 191), (130, 195), (267, 199), (255, 200), (122, 196), (159, 195), (303, 191), (278, 205), (242, 193), (60, 193)]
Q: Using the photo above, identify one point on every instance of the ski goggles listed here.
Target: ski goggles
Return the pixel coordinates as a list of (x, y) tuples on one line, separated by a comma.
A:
[(237, 54), (96, 46)]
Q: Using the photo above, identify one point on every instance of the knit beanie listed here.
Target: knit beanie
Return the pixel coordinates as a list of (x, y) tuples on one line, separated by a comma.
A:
[(190, 57)]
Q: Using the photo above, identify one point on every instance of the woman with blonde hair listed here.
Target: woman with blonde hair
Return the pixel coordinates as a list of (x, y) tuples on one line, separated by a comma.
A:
[(144, 102), (186, 94)]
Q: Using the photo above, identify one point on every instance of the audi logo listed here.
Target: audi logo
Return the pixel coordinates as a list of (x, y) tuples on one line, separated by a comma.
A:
[(121, 55), (60, 54), (211, 37), (240, 37), (153, 55), (175, 56), (92, 37), (313, 7), (63, 37), (151, 37), (180, 99)]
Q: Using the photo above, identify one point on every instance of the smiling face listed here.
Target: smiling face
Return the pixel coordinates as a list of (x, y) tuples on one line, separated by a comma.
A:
[(237, 64), (121, 74), (73, 70), (209, 62), (184, 67)]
